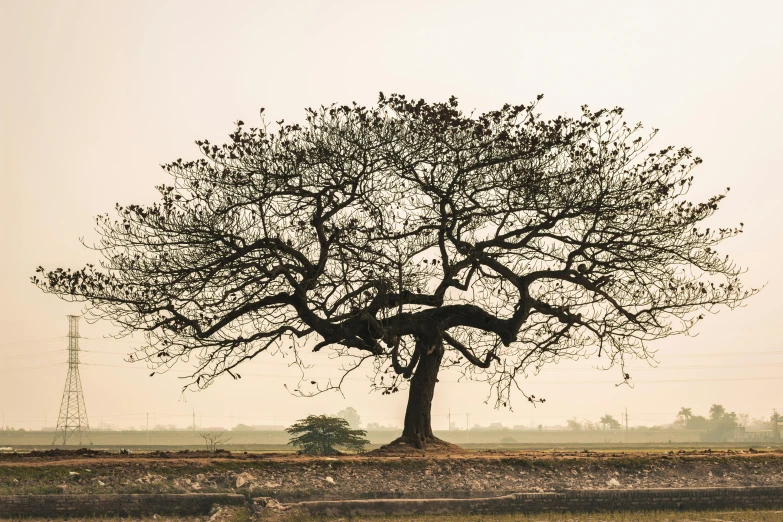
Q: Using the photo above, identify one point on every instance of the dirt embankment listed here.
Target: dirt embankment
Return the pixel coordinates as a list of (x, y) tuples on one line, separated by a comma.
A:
[(297, 478)]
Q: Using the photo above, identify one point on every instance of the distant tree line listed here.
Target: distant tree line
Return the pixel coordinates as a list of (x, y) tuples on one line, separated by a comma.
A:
[(721, 424)]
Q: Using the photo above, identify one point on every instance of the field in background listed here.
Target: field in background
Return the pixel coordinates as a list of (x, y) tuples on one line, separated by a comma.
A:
[(475, 439), (189, 438)]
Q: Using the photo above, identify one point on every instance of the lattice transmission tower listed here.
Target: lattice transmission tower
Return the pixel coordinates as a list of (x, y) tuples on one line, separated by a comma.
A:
[(72, 422)]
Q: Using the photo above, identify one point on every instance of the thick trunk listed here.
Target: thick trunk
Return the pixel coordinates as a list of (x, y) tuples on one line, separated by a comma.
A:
[(418, 414)]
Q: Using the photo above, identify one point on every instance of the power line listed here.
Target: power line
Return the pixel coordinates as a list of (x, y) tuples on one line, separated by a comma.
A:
[(35, 341), (34, 354), (667, 356), (14, 370), (720, 354)]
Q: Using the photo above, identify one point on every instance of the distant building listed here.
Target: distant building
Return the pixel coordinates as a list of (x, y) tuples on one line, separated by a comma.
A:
[(268, 427), (769, 432), (258, 427)]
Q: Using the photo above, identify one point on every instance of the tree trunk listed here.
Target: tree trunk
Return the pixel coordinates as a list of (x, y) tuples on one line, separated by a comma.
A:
[(418, 414)]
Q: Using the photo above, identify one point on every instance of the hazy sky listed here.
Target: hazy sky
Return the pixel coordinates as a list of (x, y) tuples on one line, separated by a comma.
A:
[(96, 95)]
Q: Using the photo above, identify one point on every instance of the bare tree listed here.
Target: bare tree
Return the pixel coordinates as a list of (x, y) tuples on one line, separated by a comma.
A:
[(213, 439), (411, 237)]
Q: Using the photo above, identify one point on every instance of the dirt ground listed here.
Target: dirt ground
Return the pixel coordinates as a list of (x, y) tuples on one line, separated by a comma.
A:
[(292, 477), (245, 515)]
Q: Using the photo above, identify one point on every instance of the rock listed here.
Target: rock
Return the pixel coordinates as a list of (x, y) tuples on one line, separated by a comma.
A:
[(100, 483), (73, 473), (268, 502), (330, 480), (244, 478), (612, 482), (216, 514), (62, 487)]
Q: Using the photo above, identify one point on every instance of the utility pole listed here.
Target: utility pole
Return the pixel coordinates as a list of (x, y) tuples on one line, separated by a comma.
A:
[(148, 429), (467, 428), (622, 423), (626, 425), (449, 424), (194, 427), (72, 420)]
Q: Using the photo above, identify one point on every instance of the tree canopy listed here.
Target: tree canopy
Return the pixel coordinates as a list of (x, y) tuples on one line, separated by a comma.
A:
[(719, 427), (608, 422), (323, 435), (410, 236), (351, 416)]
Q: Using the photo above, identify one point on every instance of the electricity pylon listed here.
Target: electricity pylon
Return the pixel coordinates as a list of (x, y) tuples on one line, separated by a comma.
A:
[(72, 421)]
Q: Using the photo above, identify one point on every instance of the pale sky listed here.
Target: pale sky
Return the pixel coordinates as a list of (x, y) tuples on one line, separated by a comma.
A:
[(96, 95)]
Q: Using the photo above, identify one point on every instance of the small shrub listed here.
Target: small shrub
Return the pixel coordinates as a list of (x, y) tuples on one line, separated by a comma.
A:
[(323, 435)]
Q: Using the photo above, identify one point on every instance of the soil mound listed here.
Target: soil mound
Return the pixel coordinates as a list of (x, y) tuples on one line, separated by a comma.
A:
[(57, 452), (403, 447)]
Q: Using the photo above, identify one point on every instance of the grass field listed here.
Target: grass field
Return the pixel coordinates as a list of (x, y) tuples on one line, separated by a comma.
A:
[(277, 440)]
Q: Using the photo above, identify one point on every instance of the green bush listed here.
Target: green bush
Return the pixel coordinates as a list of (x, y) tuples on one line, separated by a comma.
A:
[(323, 435)]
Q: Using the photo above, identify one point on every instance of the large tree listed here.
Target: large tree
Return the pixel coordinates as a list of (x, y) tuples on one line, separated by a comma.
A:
[(413, 237)]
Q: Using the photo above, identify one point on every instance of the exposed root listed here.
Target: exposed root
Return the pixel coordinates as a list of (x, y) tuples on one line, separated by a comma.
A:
[(404, 446)]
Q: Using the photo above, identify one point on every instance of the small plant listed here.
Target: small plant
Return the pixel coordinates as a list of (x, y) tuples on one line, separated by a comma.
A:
[(213, 439), (322, 435)]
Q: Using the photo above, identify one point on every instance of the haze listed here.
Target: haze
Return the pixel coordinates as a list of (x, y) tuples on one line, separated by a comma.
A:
[(96, 95)]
